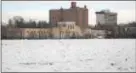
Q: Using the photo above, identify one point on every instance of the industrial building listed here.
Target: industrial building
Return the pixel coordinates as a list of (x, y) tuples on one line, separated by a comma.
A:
[(73, 14)]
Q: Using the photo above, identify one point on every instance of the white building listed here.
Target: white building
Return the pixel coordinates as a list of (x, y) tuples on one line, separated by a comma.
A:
[(69, 29), (105, 17)]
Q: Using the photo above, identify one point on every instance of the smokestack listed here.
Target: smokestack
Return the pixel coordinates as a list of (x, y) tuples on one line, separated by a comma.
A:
[(73, 4), (85, 6)]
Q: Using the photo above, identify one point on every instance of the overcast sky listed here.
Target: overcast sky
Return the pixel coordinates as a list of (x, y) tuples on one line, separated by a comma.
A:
[(39, 10)]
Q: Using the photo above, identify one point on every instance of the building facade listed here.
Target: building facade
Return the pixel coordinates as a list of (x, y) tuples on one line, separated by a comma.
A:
[(74, 14), (105, 17), (41, 33), (69, 30), (64, 30)]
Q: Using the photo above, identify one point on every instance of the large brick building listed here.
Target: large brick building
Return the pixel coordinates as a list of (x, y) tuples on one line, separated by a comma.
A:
[(74, 14)]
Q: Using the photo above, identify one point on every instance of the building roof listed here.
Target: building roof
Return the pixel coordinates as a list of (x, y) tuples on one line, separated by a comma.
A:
[(106, 12), (75, 7)]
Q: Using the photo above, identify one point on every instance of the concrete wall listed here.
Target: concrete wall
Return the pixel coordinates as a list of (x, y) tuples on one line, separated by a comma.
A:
[(14, 33)]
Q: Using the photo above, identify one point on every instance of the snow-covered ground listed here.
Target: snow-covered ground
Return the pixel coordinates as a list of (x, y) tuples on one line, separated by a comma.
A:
[(89, 55)]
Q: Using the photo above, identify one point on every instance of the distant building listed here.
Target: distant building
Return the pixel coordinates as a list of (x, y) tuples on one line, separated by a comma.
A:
[(131, 31), (127, 32), (73, 14), (98, 33), (64, 30), (105, 17), (92, 33), (14, 33)]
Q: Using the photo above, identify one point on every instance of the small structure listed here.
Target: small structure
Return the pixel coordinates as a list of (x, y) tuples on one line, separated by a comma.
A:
[(98, 33)]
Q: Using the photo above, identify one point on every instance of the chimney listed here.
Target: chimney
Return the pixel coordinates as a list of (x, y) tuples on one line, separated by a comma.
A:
[(85, 7), (73, 4)]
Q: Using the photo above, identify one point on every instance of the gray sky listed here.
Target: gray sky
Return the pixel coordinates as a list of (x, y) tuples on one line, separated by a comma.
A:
[(39, 10)]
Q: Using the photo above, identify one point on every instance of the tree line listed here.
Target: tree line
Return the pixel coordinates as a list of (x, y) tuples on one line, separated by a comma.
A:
[(19, 22)]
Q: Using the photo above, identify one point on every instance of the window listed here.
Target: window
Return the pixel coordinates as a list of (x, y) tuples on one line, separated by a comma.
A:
[(41, 32), (28, 32), (53, 17), (70, 27), (61, 32), (44, 32), (68, 33), (47, 31), (73, 26), (64, 25), (34, 32)]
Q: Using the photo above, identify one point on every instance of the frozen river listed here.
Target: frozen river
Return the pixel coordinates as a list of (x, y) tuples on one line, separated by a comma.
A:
[(89, 55)]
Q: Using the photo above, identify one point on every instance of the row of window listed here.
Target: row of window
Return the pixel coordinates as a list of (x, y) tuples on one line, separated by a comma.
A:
[(40, 32), (43, 32), (69, 27)]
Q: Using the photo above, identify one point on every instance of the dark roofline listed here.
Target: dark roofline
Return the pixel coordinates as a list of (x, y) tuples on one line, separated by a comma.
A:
[(99, 12), (113, 13), (67, 8)]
